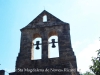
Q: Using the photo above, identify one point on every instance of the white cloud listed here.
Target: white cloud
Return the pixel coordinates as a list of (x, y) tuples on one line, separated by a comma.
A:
[(84, 57)]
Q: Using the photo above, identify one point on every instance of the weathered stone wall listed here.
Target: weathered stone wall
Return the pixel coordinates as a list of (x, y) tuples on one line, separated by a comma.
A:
[(66, 53), (38, 28), (2, 72)]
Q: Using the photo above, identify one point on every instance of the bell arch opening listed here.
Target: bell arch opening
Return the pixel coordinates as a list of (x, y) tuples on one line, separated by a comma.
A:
[(36, 47), (45, 18), (53, 47)]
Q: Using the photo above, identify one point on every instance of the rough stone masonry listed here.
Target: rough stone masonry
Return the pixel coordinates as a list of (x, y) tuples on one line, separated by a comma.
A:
[(65, 64)]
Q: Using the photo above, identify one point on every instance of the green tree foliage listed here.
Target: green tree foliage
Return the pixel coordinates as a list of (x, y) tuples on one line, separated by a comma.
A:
[(88, 73), (95, 68)]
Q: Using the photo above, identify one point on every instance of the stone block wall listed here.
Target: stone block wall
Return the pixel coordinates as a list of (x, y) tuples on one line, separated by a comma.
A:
[(2, 72), (38, 28)]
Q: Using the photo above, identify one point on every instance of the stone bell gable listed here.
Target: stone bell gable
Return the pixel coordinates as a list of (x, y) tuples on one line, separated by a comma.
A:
[(46, 27)]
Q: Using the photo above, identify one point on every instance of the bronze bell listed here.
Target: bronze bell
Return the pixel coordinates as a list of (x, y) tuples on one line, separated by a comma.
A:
[(37, 45), (53, 45)]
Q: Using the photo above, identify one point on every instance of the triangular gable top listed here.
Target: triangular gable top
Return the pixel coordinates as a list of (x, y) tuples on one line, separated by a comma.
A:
[(38, 21)]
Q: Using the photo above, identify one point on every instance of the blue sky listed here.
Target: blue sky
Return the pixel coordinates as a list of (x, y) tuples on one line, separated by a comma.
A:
[(82, 15)]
